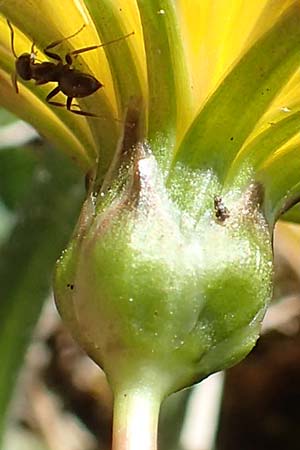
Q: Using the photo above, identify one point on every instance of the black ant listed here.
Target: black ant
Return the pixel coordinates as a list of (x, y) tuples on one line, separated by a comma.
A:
[(71, 82)]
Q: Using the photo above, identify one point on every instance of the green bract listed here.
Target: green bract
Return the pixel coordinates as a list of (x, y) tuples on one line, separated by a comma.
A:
[(161, 294)]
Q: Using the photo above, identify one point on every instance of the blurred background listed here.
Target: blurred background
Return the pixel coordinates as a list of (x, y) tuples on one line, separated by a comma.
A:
[(60, 398)]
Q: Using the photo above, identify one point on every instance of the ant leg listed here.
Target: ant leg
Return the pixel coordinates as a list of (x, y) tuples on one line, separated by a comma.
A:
[(80, 112), (68, 105), (51, 95), (55, 43), (12, 35), (52, 55), (69, 55), (14, 79), (84, 113), (93, 47)]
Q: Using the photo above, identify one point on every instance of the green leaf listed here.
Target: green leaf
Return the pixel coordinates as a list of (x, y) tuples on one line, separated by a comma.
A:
[(230, 115), (7, 220), (16, 172), (27, 259)]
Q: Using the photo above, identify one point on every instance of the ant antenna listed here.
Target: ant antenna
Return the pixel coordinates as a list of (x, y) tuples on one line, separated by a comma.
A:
[(117, 40), (12, 34), (93, 47), (55, 43)]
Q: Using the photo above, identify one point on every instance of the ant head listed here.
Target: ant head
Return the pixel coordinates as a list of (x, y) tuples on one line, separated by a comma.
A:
[(23, 68)]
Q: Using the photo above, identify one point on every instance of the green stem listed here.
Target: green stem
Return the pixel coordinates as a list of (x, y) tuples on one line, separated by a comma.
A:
[(136, 413)]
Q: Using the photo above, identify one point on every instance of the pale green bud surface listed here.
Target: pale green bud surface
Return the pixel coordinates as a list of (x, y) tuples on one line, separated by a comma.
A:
[(162, 291)]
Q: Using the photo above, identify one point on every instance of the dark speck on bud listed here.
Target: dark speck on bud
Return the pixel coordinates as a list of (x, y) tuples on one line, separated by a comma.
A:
[(222, 213)]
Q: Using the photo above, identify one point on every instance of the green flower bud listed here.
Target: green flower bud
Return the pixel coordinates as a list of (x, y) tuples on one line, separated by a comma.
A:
[(162, 288)]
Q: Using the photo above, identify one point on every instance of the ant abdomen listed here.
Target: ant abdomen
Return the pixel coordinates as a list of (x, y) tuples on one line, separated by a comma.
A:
[(78, 84)]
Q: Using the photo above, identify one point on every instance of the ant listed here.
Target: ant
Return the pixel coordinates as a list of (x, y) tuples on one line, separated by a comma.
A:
[(71, 82)]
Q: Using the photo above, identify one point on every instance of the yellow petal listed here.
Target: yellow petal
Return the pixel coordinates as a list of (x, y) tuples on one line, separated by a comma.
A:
[(216, 33)]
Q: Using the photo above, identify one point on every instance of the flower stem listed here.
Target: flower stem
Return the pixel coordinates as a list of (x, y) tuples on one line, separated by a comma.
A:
[(136, 413)]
